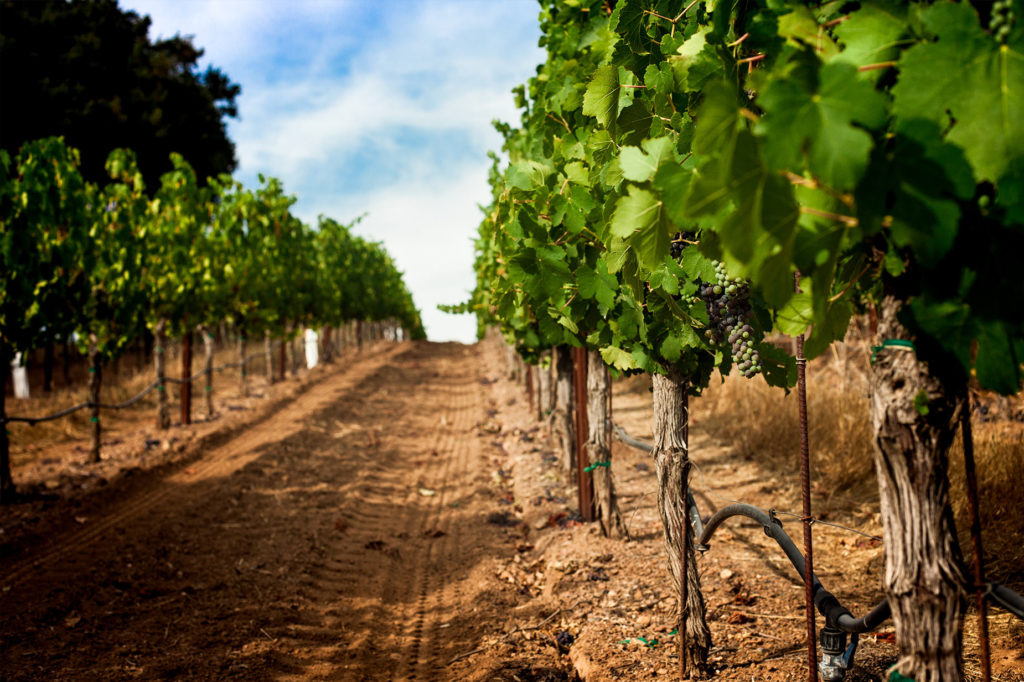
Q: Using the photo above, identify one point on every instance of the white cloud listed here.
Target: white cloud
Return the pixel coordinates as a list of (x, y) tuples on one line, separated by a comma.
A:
[(383, 108)]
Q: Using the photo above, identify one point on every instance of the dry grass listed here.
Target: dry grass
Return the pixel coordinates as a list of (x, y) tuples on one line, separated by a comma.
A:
[(761, 423), (999, 455)]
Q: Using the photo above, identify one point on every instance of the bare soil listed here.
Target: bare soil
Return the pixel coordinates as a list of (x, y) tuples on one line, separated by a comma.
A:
[(402, 517)]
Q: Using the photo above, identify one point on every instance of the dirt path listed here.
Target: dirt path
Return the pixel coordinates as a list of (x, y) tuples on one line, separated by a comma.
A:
[(331, 541), (406, 518)]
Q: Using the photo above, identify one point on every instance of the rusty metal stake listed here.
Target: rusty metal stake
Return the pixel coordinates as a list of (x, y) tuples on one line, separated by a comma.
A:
[(975, 519), (805, 490)]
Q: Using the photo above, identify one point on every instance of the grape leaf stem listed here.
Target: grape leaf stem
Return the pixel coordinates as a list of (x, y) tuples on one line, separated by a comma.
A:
[(847, 220)]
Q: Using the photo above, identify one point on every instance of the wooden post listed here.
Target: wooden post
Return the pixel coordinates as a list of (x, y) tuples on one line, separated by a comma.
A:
[(186, 372), (529, 386)]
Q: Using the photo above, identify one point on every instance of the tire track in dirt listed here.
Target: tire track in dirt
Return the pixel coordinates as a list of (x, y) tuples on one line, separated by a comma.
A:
[(343, 538), (221, 461), (434, 589), (403, 626)]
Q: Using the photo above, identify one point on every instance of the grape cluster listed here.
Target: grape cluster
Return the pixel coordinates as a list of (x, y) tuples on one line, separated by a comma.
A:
[(1001, 21), (728, 305), (679, 242)]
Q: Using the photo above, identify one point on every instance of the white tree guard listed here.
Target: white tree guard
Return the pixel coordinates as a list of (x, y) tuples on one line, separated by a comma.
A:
[(20, 375)]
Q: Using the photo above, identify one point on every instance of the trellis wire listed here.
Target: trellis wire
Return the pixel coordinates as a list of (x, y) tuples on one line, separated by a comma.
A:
[(32, 421)]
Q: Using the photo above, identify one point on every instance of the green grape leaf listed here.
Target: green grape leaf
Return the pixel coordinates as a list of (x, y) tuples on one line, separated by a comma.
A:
[(796, 316), (632, 27), (639, 218), (665, 279), (819, 123), (871, 35), (617, 358), (967, 75), (576, 172), (1010, 191), (927, 225), (948, 323), (671, 348), (568, 323), (597, 284), (672, 184), (800, 26), (779, 366), (641, 165), (997, 364), (638, 210), (601, 100), (696, 265), (829, 326), (525, 175), (660, 78)]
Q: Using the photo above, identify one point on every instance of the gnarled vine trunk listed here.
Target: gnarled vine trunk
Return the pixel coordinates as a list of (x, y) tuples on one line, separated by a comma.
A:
[(672, 462), (48, 363), (243, 381), (7, 490), (186, 374), (544, 388), (163, 413), (282, 355), (924, 573), (268, 356), (95, 381), (529, 388), (599, 453), (327, 351), (561, 417), (208, 369)]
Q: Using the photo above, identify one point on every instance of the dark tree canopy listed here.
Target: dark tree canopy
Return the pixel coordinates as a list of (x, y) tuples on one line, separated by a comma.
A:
[(88, 71)]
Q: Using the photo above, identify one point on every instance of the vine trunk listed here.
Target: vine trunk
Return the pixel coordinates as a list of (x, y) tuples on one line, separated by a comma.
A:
[(914, 416), (208, 369), (565, 432), (671, 459), (7, 491), (163, 416), (599, 453), (95, 382), (243, 382), (268, 356)]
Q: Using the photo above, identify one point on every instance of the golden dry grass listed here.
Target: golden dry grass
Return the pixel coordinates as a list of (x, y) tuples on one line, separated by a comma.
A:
[(761, 423)]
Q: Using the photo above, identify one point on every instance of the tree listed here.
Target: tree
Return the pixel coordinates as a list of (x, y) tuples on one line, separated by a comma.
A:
[(88, 71)]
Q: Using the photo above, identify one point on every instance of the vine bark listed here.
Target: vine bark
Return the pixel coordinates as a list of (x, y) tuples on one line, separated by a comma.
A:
[(598, 446), (163, 415), (671, 459), (563, 426), (914, 416)]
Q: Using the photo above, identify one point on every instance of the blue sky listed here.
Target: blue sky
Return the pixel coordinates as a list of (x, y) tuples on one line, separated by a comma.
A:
[(376, 107)]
